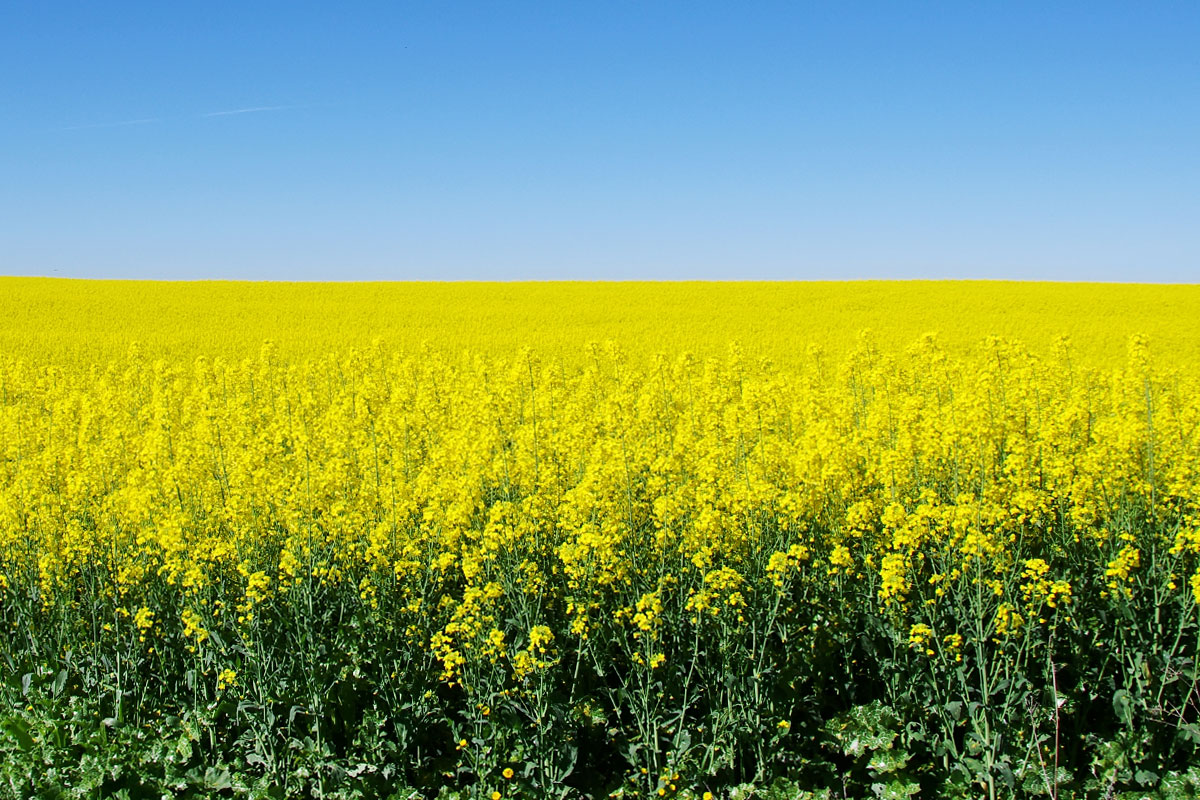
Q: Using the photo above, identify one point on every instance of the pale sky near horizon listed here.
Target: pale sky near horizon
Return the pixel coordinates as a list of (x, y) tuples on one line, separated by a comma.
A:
[(601, 140)]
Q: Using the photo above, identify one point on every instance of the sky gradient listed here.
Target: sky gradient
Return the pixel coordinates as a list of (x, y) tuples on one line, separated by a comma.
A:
[(600, 140)]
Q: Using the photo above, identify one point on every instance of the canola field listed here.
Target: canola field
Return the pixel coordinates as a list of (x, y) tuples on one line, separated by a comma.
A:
[(599, 540)]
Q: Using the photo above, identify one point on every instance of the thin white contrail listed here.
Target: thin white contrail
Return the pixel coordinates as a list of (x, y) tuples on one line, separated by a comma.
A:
[(146, 120), (246, 110), (120, 124)]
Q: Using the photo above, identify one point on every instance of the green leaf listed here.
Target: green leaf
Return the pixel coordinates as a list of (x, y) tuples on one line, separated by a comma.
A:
[(217, 780), (896, 789), (886, 761), (1123, 706), (19, 731), (1145, 777), (864, 729)]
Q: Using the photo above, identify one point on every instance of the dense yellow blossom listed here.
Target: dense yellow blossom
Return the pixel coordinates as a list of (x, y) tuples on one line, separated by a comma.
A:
[(190, 465)]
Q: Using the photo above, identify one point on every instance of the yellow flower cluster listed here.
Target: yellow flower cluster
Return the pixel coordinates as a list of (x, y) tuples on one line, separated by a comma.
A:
[(919, 637), (1038, 588), (1119, 569), (537, 655), (721, 588)]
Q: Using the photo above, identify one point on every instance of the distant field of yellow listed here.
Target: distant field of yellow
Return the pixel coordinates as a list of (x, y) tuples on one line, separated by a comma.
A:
[(65, 319)]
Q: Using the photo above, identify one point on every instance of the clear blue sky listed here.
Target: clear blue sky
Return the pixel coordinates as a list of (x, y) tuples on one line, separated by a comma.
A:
[(600, 139)]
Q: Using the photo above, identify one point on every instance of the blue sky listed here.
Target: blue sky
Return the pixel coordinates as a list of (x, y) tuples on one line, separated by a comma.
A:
[(600, 140)]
